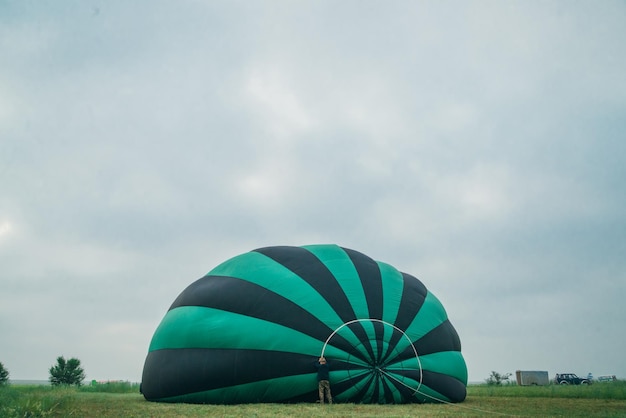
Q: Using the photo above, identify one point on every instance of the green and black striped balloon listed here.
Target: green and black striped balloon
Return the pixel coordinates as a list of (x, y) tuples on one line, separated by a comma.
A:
[(253, 327)]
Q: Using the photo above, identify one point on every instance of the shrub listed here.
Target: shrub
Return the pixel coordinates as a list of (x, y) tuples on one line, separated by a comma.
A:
[(67, 372), (4, 375), (497, 378)]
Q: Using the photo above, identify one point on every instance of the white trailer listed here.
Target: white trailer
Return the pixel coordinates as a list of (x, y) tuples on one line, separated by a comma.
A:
[(532, 378)]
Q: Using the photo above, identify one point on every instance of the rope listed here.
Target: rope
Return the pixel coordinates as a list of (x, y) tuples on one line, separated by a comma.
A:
[(419, 363), (441, 400), (383, 371)]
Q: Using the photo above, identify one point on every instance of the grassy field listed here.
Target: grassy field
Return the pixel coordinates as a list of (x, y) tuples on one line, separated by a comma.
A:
[(123, 400)]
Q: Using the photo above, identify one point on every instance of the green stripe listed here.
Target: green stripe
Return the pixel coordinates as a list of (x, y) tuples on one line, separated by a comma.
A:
[(368, 326), (450, 363), (339, 376), (446, 362), (430, 315), (393, 284), (343, 356), (202, 327)]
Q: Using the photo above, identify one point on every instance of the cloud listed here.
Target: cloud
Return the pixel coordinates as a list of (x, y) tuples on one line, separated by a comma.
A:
[(476, 146)]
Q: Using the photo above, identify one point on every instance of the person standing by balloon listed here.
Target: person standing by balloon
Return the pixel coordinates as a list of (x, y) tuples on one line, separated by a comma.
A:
[(323, 383)]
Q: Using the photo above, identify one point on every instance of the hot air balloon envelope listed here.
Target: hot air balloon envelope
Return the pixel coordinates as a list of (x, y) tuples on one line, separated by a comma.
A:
[(252, 329)]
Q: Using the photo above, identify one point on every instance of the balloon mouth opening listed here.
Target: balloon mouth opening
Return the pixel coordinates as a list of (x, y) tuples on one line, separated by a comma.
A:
[(398, 364)]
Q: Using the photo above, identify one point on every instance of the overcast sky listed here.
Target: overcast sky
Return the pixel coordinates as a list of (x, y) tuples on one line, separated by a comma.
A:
[(478, 146)]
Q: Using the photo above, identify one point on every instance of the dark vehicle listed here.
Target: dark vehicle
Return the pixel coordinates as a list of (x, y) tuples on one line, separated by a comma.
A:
[(570, 379)]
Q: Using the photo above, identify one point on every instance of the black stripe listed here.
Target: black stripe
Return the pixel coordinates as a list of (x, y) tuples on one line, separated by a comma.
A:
[(387, 391), (308, 267), (375, 393), (391, 356), (371, 281), (413, 295), (365, 380), (175, 372), (442, 338), (448, 386), (405, 392), (379, 329), (360, 395), (240, 296)]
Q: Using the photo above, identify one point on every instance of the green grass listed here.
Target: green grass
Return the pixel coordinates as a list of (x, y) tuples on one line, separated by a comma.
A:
[(608, 390), (121, 399), (111, 387)]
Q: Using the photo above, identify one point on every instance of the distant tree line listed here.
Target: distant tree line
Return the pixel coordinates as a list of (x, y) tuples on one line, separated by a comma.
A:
[(64, 372)]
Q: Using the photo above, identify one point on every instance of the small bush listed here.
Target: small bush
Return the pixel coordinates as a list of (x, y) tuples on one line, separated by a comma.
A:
[(496, 379), (67, 372), (4, 375)]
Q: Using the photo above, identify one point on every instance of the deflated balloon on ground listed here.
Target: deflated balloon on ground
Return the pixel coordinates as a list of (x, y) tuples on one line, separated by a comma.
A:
[(252, 328)]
